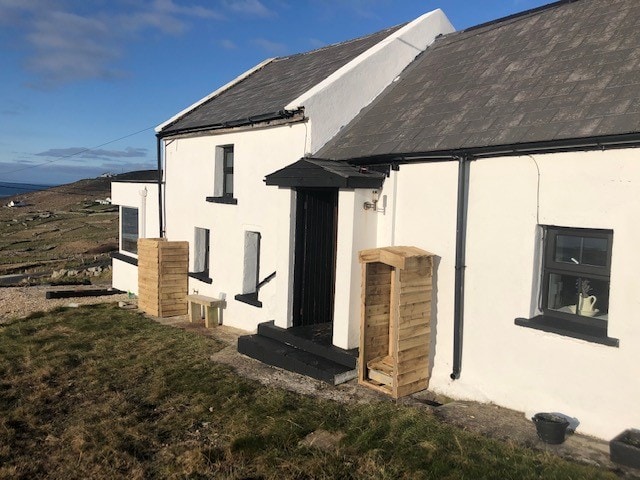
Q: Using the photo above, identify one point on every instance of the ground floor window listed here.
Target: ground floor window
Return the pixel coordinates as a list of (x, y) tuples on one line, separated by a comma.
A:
[(129, 229), (201, 251), (576, 273)]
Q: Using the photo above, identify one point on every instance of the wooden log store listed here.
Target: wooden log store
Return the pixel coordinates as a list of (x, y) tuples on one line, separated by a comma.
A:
[(395, 333), (162, 277)]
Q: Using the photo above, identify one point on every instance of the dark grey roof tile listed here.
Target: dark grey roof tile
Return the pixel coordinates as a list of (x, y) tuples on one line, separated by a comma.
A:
[(570, 70), (276, 84)]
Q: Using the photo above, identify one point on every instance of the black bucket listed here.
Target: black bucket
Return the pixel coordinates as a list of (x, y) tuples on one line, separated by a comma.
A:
[(551, 428)]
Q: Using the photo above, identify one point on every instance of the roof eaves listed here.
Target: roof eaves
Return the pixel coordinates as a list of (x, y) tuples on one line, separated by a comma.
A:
[(605, 142), (214, 94)]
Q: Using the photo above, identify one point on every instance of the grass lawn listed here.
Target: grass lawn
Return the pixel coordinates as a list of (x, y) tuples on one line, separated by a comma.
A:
[(100, 392)]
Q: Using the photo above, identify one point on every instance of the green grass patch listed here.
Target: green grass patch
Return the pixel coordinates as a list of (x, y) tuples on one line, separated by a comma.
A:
[(99, 392)]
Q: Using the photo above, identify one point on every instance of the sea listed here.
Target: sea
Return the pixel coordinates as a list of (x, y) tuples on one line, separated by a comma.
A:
[(9, 189)]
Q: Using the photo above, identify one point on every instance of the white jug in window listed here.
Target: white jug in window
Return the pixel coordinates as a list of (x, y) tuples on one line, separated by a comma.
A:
[(586, 305)]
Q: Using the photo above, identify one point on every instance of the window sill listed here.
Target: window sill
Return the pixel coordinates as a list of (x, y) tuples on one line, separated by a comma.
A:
[(568, 329), (227, 200), (249, 299), (202, 276), (123, 257)]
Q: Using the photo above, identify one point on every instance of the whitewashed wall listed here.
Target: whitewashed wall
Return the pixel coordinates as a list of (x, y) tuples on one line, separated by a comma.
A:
[(334, 102), (513, 366), (144, 197), (189, 167)]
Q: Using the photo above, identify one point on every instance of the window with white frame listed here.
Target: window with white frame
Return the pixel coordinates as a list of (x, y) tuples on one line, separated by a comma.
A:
[(575, 284), (201, 246), (129, 229)]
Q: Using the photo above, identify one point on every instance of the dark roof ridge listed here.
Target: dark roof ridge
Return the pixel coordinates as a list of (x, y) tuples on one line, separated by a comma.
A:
[(499, 22), (518, 15), (344, 42)]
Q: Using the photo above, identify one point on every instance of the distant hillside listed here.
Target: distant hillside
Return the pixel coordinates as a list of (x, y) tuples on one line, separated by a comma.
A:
[(61, 227)]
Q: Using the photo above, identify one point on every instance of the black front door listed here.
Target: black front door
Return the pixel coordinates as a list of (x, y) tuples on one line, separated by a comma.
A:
[(315, 256)]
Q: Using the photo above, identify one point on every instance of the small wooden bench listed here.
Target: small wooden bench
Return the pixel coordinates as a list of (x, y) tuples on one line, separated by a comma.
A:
[(211, 306)]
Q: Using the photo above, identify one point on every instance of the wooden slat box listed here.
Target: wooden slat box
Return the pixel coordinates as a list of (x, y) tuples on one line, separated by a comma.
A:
[(395, 331), (162, 277)]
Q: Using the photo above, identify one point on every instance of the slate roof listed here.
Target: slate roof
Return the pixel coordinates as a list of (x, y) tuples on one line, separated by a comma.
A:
[(269, 89), (309, 172), (570, 70)]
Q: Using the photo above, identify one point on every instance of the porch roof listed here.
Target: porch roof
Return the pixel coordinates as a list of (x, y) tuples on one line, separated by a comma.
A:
[(308, 172)]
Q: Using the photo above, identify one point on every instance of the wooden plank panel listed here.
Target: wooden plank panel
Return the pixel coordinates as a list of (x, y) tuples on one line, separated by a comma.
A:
[(414, 331), (414, 387), (376, 309), (413, 308), (414, 364), (419, 297), (411, 377), (413, 342), (378, 279), (413, 353)]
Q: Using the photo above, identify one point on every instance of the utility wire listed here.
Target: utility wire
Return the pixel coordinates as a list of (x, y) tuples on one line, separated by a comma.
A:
[(84, 150)]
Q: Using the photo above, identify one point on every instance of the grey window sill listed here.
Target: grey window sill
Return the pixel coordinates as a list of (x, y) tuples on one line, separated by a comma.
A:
[(227, 200), (565, 328)]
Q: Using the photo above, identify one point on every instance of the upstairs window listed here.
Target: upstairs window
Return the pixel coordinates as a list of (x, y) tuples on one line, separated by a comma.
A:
[(223, 189), (129, 229), (227, 169)]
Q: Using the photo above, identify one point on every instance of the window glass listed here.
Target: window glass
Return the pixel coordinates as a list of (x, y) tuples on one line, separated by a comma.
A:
[(568, 249), (129, 236), (201, 250), (590, 295), (228, 184), (594, 251)]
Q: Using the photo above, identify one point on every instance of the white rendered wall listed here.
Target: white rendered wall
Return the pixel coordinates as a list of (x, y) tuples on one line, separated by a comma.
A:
[(513, 366), (356, 231), (189, 179), (333, 103), (144, 197)]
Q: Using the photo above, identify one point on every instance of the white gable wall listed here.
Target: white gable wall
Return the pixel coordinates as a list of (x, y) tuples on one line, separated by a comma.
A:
[(335, 101), (513, 366)]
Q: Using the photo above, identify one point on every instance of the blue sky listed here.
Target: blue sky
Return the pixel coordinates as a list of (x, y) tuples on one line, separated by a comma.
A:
[(85, 81)]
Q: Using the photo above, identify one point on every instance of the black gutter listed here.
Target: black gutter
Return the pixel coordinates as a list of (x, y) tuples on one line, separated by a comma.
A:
[(461, 237), (605, 142), (265, 117), (159, 154)]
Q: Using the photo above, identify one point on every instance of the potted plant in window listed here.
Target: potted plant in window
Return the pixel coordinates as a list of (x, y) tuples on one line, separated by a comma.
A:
[(625, 448)]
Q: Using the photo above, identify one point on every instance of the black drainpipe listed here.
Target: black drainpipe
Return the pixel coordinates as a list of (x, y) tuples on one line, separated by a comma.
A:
[(159, 154), (461, 234)]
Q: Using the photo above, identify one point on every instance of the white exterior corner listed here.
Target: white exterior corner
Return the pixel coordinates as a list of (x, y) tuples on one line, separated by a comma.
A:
[(340, 97)]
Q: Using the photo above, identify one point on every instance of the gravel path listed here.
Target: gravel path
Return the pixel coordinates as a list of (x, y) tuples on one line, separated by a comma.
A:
[(18, 302)]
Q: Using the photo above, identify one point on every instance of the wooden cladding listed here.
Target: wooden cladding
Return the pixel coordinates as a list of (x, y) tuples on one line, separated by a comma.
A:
[(162, 277), (395, 331)]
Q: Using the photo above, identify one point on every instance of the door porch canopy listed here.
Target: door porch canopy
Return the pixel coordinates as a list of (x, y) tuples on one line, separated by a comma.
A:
[(315, 173)]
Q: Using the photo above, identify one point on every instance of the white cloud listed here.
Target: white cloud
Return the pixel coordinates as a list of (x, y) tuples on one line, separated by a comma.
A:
[(67, 45), (84, 153), (228, 44), (250, 7), (269, 46)]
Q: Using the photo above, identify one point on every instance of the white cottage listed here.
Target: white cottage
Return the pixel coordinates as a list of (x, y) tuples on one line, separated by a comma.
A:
[(508, 150)]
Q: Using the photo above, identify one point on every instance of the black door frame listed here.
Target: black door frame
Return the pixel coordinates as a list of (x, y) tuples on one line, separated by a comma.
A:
[(315, 256)]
